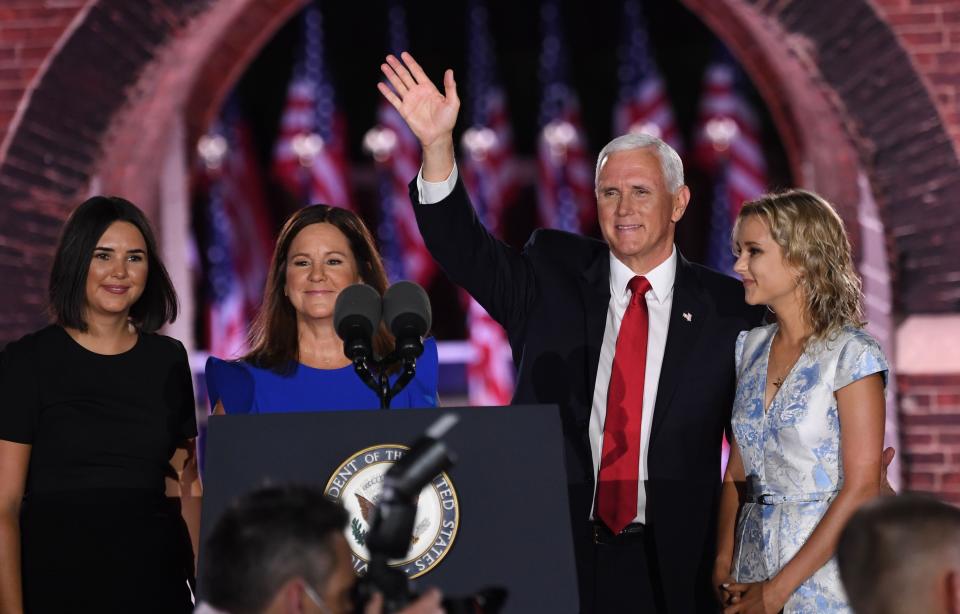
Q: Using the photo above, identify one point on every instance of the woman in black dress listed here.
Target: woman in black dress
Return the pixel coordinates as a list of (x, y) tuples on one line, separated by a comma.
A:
[(92, 408)]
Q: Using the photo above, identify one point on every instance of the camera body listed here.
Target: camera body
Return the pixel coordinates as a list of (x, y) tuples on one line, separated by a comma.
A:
[(391, 525)]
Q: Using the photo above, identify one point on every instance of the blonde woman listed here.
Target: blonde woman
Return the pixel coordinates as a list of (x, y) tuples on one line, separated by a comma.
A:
[(808, 415)]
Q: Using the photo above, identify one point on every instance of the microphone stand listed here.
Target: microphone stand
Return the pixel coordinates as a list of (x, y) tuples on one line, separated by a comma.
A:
[(409, 370), (381, 384), (362, 369)]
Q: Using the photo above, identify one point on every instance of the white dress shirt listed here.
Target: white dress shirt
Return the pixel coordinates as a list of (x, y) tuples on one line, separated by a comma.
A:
[(659, 302), (432, 192)]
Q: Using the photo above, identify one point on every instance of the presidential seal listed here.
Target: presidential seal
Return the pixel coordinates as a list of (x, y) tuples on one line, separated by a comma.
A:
[(356, 484)]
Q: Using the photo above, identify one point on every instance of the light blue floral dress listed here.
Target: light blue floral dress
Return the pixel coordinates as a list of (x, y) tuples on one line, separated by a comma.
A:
[(791, 456)]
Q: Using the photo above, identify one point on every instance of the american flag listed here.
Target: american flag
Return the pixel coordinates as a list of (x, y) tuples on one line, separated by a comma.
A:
[(643, 105), (719, 248), (566, 194), (310, 157), (728, 147), (396, 152), (488, 174), (239, 236)]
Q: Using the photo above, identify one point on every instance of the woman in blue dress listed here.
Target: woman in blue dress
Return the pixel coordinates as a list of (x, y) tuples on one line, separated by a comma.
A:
[(297, 362), (808, 416)]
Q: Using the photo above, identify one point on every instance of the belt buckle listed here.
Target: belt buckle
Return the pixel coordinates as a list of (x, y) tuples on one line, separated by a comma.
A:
[(765, 499), (603, 535)]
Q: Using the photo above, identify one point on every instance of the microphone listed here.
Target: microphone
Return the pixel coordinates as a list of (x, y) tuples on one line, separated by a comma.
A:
[(406, 311), (356, 316)]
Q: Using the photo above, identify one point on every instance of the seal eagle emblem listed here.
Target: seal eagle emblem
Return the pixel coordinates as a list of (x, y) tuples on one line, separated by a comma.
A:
[(356, 484)]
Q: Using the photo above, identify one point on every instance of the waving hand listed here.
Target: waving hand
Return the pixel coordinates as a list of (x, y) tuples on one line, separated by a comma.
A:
[(429, 114)]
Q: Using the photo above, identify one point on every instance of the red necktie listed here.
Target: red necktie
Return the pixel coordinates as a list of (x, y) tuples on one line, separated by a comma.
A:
[(620, 460)]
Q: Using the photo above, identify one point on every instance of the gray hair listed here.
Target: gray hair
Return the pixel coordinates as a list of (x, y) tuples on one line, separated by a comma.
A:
[(670, 164)]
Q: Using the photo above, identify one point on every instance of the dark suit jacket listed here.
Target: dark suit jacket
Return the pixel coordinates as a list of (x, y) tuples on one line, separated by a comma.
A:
[(552, 299)]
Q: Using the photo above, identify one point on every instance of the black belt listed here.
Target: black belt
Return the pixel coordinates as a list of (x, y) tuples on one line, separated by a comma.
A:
[(631, 534)]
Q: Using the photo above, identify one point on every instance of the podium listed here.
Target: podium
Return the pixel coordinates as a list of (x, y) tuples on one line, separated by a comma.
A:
[(506, 493)]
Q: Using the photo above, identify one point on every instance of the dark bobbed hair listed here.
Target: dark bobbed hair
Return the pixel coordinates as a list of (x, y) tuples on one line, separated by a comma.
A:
[(273, 334), (264, 540), (71, 264)]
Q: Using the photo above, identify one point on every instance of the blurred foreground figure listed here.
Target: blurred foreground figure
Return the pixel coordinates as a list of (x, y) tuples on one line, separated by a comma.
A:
[(901, 554), (282, 550)]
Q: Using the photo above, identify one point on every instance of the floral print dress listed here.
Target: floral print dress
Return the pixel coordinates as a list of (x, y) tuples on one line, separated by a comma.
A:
[(791, 455)]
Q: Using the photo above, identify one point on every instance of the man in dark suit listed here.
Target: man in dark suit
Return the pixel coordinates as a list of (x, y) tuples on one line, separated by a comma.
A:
[(634, 343)]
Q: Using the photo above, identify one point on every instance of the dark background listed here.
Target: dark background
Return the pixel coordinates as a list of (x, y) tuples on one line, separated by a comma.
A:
[(356, 41)]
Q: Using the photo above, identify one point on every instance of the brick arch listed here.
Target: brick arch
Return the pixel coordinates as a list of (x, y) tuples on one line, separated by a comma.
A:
[(106, 87), (853, 110), (818, 148), (71, 85), (99, 113), (201, 66), (848, 100), (98, 92)]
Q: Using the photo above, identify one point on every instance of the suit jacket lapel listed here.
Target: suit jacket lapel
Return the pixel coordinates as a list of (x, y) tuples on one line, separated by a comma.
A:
[(595, 292), (681, 337)]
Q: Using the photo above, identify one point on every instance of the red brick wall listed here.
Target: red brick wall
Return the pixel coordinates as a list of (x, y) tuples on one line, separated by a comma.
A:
[(930, 32), (930, 431), (97, 114), (28, 32), (67, 103), (188, 80), (893, 120)]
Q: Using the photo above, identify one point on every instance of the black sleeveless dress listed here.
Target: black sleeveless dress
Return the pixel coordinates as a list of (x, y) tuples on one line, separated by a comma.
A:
[(97, 532)]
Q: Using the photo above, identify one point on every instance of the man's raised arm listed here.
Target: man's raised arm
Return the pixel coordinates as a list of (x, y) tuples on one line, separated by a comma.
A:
[(430, 115)]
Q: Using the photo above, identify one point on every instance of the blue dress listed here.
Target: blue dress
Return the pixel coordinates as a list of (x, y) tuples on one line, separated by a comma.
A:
[(245, 389), (791, 456)]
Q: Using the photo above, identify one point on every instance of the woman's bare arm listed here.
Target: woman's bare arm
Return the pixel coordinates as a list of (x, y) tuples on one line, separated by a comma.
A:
[(861, 409), (14, 461)]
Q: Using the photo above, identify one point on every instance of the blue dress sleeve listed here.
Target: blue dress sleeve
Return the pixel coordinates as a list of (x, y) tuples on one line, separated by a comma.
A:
[(229, 383), (423, 388), (860, 356), (738, 351)]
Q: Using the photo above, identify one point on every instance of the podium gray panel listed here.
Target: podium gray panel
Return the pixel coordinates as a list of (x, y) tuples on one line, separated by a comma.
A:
[(514, 526)]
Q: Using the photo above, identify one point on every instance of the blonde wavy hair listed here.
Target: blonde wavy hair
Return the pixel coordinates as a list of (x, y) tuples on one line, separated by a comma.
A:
[(814, 241)]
